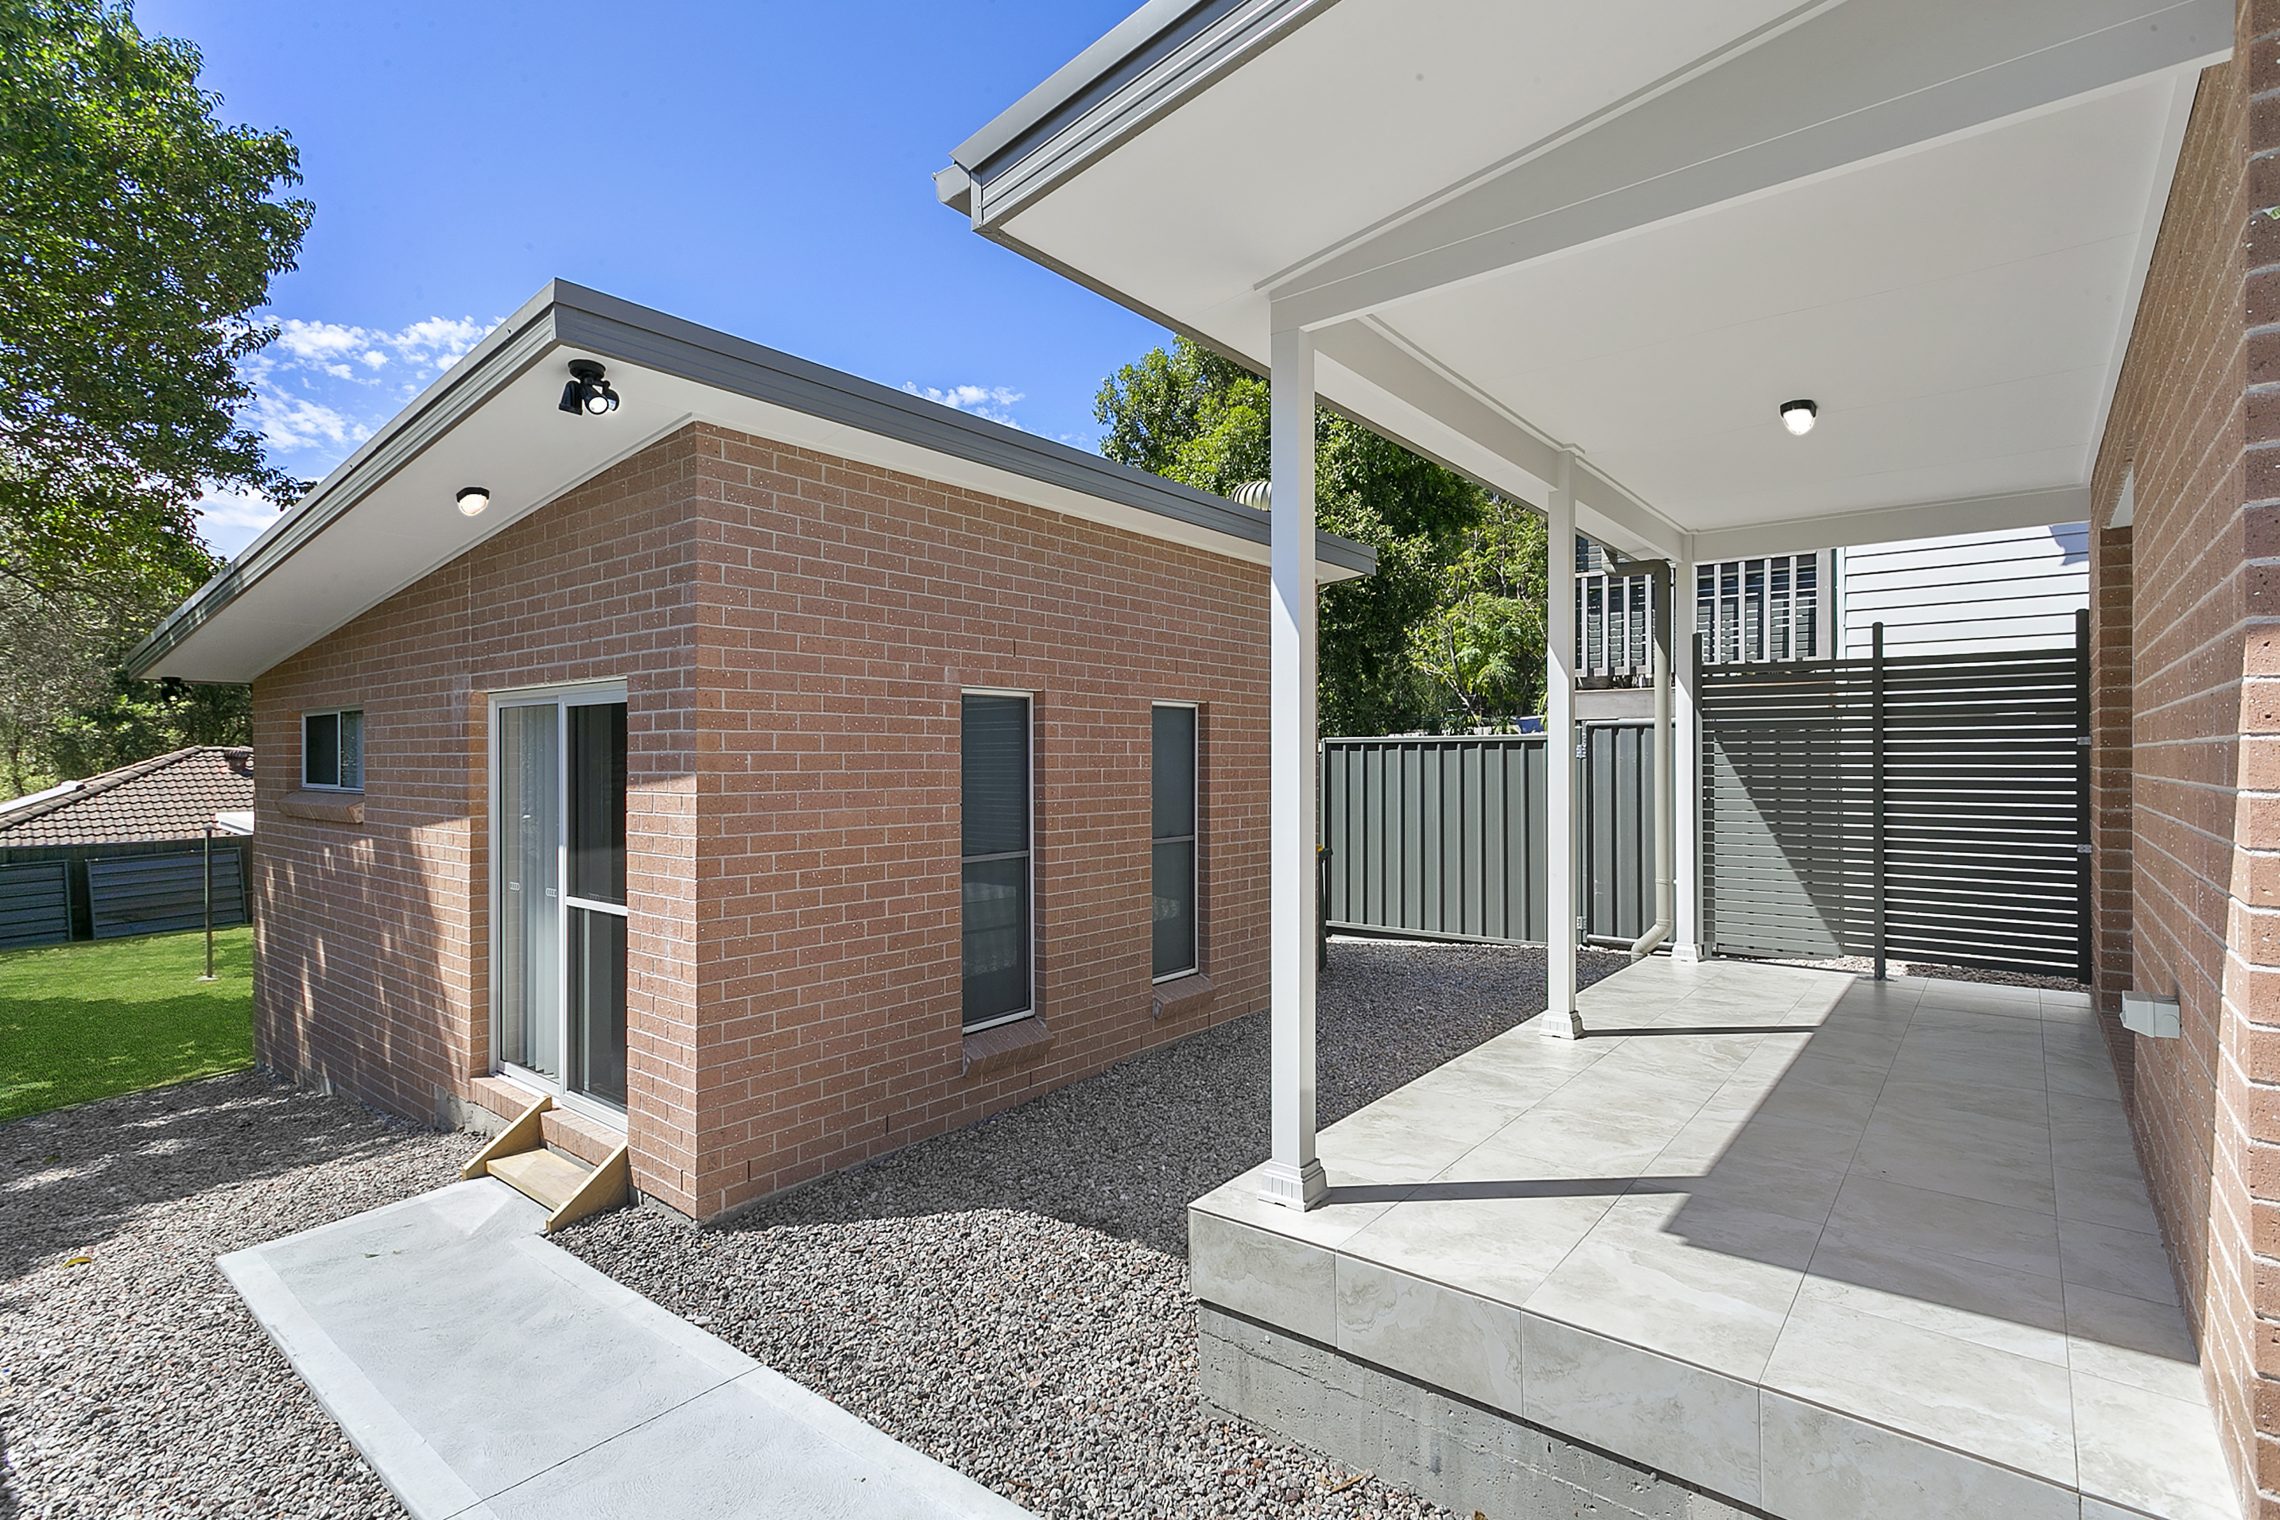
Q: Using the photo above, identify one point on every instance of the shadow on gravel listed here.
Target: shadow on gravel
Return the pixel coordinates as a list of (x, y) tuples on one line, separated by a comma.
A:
[(77, 1176), (1126, 1151)]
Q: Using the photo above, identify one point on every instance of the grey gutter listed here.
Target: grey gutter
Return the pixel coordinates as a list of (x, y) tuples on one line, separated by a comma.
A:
[(568, 315), (1156, 58)]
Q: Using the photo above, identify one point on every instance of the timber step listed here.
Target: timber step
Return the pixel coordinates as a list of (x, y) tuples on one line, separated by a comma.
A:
[(567, 1165)]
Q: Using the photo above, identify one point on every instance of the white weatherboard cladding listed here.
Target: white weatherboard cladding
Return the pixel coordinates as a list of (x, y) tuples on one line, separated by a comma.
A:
[(2007, 589)]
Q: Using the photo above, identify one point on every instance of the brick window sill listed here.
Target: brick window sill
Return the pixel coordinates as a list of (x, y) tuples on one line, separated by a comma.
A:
[(1182, 996), (1001, 1049), (324, 807)]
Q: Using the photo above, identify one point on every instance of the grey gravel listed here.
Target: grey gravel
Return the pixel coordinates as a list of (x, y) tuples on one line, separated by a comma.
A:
[(137, 1384), (1013, 1300)]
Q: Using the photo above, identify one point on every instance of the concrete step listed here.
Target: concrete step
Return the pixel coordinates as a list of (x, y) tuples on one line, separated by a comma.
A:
[(582, 1138), (547, 1177)]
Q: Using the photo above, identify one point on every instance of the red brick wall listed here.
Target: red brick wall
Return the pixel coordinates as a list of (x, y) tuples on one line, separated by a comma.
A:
[(795, 631), (2112, 701), (372, 969), (843, 609), (2196, 424)]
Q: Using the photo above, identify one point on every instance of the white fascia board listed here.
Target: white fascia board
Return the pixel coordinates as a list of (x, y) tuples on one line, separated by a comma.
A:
[(1896, 524), (1157, 58), (1833, 87)]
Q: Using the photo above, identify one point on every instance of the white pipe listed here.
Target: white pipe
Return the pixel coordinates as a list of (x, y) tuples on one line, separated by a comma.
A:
[(1666, 770)]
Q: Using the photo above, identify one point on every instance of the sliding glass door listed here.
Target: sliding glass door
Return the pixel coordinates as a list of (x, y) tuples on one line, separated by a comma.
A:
[(559, 799)]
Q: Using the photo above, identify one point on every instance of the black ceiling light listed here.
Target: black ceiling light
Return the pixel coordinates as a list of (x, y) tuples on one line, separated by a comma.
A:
[(1799, 416), (587, 391)]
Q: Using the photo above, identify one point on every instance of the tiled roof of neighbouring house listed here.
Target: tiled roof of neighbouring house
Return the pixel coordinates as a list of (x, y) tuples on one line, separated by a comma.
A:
[(171, 796)]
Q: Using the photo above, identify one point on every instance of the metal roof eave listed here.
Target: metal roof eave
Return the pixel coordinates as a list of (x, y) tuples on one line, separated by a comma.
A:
[(568, 315)]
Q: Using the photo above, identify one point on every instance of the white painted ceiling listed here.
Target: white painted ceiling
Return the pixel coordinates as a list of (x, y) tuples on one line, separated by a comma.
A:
[(1958, 309)]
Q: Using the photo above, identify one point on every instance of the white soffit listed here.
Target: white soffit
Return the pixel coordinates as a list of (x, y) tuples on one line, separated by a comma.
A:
[(1958, 304), (390, 518)]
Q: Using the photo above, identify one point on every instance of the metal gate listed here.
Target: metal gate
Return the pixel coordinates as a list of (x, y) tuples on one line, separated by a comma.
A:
[(1442, 838), (1933, 807)]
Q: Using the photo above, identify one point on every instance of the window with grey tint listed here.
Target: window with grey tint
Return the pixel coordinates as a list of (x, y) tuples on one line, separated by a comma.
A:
[(1174, 841), (332, 750), (994, 866)]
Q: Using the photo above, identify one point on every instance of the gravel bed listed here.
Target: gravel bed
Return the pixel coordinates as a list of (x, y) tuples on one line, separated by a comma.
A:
[(1863, 965), (137, 1384), (1012, 1298)]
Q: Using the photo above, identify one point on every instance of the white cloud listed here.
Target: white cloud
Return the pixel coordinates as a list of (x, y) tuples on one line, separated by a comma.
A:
[(992, 401), (291, 424), (428, 346), (228, 518)]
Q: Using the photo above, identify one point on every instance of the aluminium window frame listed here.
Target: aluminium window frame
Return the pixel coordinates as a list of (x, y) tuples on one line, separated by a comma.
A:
[(562, 697), (1029, 708), (336, 714), (1194, 840)]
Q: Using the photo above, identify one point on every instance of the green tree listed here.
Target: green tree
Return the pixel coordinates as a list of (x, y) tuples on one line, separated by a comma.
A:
[(1196, 417), (138, 237), (1481, 647)]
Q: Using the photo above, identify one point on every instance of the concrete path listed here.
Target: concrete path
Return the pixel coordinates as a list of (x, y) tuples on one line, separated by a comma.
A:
[(486, 1374)]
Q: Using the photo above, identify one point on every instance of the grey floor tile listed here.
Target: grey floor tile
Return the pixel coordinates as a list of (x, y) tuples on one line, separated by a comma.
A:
[(2154, 1454), (1880, 1212), (1822, 1465), (2132, 1340), (1697, 1425), (2128, 1262), (1990, 1306), (2013, 1409)]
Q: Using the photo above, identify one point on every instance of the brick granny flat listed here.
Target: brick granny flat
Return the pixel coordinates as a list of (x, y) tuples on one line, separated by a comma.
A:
[(793, 606)]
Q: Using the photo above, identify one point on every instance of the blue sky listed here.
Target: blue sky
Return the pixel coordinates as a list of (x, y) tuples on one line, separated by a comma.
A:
[(760, 167)]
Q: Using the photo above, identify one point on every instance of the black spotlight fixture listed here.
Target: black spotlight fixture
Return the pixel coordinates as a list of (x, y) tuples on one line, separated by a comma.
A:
[(587, 391)]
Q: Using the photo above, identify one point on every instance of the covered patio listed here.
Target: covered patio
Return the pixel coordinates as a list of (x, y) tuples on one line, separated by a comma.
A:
[(1800, 1240), (1739, 278)]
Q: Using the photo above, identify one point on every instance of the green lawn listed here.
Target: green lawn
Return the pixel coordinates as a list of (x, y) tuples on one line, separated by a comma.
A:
[(93, 1020)]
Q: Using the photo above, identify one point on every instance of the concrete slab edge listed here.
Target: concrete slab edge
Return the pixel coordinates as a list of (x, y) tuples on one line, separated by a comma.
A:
[(413, 1471)]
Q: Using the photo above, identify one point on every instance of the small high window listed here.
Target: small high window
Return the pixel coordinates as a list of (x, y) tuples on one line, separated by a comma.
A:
[(332, 750), (1173, 840), (994, 858)]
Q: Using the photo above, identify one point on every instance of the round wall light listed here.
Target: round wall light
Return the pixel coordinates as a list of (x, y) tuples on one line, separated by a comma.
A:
[(588, 392), (1799, 416), (472, 501)]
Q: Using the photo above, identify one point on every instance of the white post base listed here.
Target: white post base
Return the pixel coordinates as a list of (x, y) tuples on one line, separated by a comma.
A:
[(1558, 1026), (1686, 955), (1299, 1187)]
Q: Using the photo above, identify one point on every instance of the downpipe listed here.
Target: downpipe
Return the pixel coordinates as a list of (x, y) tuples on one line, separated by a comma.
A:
[(1666, 769)]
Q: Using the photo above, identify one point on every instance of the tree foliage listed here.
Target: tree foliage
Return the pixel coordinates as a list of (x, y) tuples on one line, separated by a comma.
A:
[(1482, 644), (138, 236), (1197, 417)]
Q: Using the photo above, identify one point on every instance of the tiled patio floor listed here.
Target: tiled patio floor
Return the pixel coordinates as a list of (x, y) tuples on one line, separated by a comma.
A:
[(1816, 1244)]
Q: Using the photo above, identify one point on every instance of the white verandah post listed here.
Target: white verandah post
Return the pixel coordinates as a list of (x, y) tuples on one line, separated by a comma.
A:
[(1686, 938), (1293, 1175), (1560, 1020)]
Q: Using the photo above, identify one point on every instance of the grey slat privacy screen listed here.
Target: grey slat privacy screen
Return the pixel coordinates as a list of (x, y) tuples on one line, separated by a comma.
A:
[(1442, 837), (1931, 806), (35, 903), (154, 894)]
